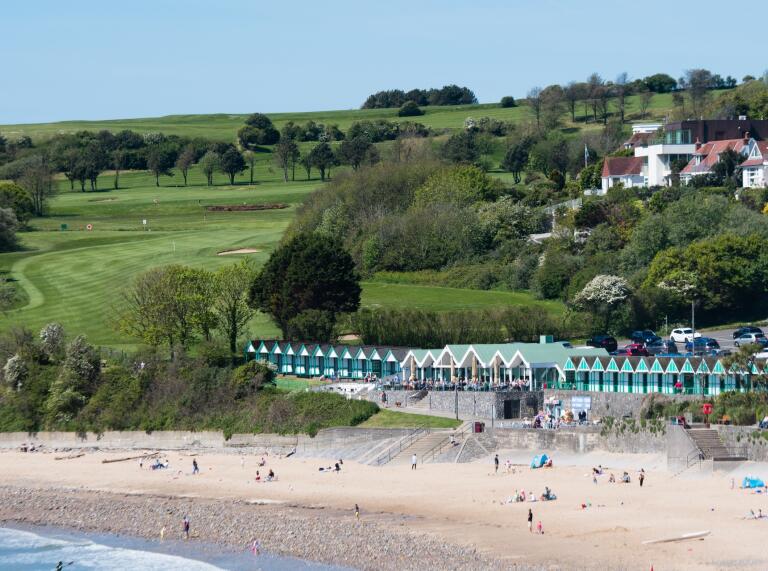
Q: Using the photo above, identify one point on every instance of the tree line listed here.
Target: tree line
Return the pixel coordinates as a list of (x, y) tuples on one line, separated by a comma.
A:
[(446, 95)]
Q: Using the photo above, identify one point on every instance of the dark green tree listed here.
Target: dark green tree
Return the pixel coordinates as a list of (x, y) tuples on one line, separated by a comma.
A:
[(15, 198), (323, 158), (354, 151), (232, 163), (286, 153), (516, 158), (308, 272), (185, 161), (461, 147), (410, 109), (160, 161)]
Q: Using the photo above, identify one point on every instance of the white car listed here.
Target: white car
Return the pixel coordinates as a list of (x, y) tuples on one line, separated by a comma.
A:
[(683, 335)]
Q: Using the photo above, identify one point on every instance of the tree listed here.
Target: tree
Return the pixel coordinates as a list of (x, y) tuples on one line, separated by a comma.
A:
[(516, 158), (15, 198), (232, 163), (52, 341), (551, 99), (602, 296), (697, 83), (645, 101), (15, 372), (76, 382), (354, 151), (209, 164), (314, 324), (118, 157), (306, 162), (250, 159), (534, 102), (8, 226), (595, 85), (160, 161), (37, 180), (462, 185), (323, 157), (286, 153), (461, 147), (185, 160), (230, 301), (573, 93), (410, 109), (310, 271), (258, 130), (660, 83), (168, 305), (622, 88), (727, 165), (507, 101)]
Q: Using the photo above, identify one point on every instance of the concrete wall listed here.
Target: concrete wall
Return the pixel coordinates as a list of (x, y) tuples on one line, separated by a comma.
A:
[(471, 404), (170, 440), (681, 450), (746, 440), (616, 405)]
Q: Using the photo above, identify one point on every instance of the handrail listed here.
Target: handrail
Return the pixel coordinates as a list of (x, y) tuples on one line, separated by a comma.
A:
[(402, 444), (438, 448)]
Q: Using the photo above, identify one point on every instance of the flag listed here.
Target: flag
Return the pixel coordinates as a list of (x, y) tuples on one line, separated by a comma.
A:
[(586, 154)]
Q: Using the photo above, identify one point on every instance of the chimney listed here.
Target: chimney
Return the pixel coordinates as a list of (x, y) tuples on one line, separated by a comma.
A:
[(697, 144)]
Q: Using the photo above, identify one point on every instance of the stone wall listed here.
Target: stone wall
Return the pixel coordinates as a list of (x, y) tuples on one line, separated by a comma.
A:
[(616, 405), (470, 404), (745, 440)]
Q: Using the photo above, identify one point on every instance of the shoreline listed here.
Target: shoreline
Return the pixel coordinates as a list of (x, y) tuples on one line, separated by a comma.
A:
[(287, 531)]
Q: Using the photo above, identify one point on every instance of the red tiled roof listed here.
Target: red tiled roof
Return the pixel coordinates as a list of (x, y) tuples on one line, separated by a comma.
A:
[(638, 140), (710, 152), (622, 166), (756, 162)]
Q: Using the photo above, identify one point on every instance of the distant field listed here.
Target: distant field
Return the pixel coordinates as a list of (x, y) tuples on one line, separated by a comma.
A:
[(224, 126)]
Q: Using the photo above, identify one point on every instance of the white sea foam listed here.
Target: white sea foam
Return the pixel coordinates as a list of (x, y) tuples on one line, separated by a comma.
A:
[(26, 551)]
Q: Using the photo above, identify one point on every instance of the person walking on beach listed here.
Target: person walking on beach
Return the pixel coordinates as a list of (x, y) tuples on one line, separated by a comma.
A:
[(185, 525), (195, 467), (413, 462), (496, 463), (357, 511), (530, 520), (641, 477)]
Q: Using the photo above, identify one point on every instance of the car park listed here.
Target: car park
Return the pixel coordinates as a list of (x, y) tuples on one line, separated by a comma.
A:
[(751, 339), (746, 329), (643, 337), (683, 335), (603, 342), (661, 347)]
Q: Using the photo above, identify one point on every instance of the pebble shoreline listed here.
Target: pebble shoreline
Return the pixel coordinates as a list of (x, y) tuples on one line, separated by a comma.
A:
[(312, 534)]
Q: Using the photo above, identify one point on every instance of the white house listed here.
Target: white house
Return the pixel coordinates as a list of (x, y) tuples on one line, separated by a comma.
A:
[(625, 170), (754, 170)]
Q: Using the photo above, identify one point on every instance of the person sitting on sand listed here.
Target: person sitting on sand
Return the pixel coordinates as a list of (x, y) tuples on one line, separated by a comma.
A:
[(548, 463), (337, 468), (270, 476), (625, 478), (258, 476), (262, 462), (598, 471), (531, 496), (612, 479), (522, 496), (547, 495)]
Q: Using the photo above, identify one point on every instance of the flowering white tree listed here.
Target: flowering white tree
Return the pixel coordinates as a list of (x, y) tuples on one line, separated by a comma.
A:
[(602, 296), (15, 372)]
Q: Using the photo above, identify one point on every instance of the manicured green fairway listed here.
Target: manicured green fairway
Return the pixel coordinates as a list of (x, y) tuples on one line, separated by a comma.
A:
[(224, 126)]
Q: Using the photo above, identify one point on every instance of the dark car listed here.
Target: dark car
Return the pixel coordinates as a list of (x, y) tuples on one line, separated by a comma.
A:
[(603, 342), (746, 329), (661, 347), (703, 344), (643, 337)]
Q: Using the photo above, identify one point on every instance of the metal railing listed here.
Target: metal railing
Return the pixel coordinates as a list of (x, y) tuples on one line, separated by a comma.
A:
[(438, 449), (401, 445)]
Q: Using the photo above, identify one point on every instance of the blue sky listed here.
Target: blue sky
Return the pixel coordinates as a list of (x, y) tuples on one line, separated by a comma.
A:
[(88, 59)]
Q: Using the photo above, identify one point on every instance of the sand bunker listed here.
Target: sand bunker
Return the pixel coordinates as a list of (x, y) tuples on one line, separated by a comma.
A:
[(238, 251), (245, 207)]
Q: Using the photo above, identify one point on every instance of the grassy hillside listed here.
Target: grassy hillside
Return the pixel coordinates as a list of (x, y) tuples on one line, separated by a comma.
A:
[(75, 276), (224, 126)]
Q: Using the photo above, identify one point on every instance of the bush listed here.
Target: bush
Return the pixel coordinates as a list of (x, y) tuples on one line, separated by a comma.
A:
[(410, 109), (252, 377), (508, 101)]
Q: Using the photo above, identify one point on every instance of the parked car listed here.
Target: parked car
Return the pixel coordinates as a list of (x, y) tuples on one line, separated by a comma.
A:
[(661, 347), (751, 338), (704, 344), (643, 337), (746, 329), (636, 350), (683, 335), (603, 342), (566, 344)]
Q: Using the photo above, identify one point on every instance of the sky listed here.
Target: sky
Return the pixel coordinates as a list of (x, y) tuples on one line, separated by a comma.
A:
[(96, 59)]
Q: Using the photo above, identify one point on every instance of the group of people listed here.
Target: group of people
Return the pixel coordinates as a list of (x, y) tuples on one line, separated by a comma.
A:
[(465, 384), (521, 496), (270, 477), (625, 477)]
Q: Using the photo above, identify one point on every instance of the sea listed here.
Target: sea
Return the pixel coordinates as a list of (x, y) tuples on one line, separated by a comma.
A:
[(49, 549)]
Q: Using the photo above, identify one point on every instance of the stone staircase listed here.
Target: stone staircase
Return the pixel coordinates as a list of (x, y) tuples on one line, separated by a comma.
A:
[(708, 441), (424, 444)]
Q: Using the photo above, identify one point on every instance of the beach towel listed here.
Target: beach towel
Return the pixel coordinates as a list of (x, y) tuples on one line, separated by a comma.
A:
[(539, 461)]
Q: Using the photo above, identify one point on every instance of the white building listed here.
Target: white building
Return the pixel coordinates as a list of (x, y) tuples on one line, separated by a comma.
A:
[(625, 170), (755, 169), (706, 156)]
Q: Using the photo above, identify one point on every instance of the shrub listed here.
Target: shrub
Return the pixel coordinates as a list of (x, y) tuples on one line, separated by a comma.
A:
[(410, 109), (508, 101)]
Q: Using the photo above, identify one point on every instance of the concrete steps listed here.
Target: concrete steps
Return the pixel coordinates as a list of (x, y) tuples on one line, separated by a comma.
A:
[(708, 441), (420, 446)]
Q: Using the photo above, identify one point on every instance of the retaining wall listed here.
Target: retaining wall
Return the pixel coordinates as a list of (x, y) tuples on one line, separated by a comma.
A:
[(616, 405), (471, 404), (747, 439)]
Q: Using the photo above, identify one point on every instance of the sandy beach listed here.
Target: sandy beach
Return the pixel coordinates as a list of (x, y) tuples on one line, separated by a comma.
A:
[(440, 516)]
